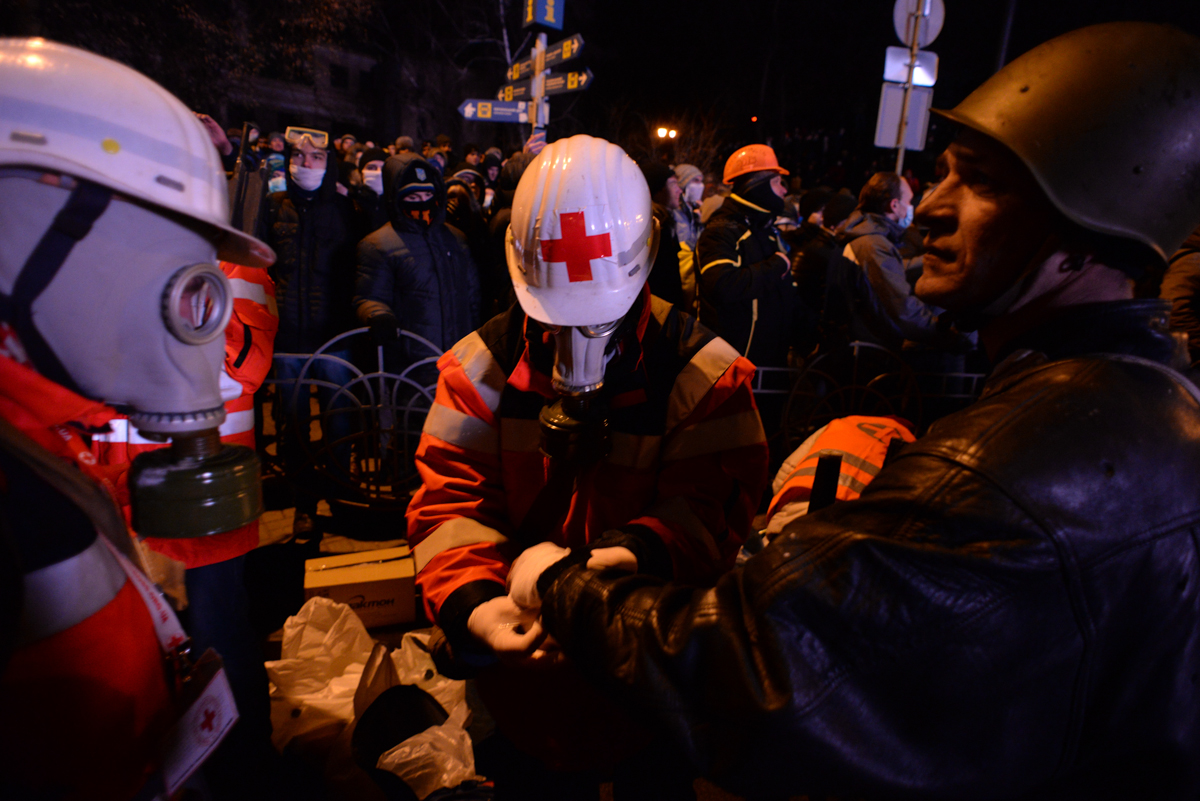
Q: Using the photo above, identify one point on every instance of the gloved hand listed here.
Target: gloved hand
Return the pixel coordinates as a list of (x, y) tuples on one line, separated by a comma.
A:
[(512, 633), (528, 567), (384, 328)]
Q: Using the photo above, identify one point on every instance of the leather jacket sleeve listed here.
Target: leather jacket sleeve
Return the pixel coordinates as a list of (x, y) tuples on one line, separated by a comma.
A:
[(878, 647)]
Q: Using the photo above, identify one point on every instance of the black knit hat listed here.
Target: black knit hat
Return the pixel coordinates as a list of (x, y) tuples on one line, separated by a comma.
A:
[(374, 154)]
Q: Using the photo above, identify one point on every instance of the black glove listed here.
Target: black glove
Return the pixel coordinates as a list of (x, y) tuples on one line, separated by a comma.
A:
[(384, 328)]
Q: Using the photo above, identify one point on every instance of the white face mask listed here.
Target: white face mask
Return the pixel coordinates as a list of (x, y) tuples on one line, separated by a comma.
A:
[(693, 192), (907, 219), (374, 179), (307, 178)]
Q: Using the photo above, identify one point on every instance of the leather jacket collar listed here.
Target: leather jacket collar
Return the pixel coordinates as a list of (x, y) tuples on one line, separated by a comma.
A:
[(1130, 327)]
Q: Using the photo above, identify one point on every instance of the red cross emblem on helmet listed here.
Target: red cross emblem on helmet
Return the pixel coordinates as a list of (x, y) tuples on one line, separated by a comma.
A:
[(576, 247)]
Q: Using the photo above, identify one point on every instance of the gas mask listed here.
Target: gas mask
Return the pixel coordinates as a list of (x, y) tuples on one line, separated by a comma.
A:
[(574, 427), (127, 306)]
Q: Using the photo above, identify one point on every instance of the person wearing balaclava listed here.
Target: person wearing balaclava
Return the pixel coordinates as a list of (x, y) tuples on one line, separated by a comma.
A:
[(368, 195), (413, 273), (311, 226), (746, 290)]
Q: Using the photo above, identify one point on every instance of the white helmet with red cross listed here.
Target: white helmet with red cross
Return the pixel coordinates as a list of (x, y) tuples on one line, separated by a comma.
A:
[(583, 236)]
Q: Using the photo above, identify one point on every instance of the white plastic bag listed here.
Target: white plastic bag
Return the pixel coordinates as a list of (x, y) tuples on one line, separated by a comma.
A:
[(312, 687), (440, 756)]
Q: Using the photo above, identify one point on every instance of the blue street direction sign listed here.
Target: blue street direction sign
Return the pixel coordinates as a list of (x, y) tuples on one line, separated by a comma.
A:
[(495, 110), (558, 83), (518, 90), (543, 12), (555, 54)]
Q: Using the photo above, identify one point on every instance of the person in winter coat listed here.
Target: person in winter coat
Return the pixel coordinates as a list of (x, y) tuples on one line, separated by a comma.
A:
[(311, 227), (747, 295), (501, 285), (371, 214), (872, 236), (1011, 608), (665, 279), (414, 273)]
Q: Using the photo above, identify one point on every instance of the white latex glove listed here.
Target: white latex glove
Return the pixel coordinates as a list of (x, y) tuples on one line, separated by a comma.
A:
[(618, 557), (512, 633), (528, 568)]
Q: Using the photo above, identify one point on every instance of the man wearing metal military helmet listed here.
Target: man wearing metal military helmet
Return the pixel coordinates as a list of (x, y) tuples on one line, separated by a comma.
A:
[(1012, 606)]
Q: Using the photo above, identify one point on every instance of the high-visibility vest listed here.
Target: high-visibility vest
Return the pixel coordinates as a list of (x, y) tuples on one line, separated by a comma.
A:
[(861, 442)]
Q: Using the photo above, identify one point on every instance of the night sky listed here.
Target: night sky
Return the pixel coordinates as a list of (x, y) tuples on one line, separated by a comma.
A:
[(823, 60)]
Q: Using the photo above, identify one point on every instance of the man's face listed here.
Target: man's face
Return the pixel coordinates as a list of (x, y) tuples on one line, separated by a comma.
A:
[(901, 204), (493, 173), (305, 155), (673, 193), (426, 150), (777, 185), (474, 158), (277, 144), (987, 221)]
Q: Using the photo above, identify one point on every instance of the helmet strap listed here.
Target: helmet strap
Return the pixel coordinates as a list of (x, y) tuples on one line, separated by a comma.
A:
[(72, 223)]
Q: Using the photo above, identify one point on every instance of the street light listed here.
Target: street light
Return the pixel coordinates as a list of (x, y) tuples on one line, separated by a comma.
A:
[(671, 133), (662, 133)]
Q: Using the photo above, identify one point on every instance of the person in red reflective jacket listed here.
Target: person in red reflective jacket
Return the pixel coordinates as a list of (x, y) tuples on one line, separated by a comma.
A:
[(208, 572), (592, 415)]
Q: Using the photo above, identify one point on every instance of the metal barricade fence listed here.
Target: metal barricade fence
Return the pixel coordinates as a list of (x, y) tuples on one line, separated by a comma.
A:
[(354, 444)]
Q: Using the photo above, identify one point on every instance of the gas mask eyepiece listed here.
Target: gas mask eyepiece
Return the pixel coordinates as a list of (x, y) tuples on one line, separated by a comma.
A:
[(197, 304)]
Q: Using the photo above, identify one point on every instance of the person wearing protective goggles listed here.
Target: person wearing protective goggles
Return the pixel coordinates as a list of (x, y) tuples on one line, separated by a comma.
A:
[(1011, 608), (591, 415), (312, 226), (110, 301)]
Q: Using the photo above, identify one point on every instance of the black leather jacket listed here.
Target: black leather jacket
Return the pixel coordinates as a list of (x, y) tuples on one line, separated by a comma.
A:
[(1011, 610)]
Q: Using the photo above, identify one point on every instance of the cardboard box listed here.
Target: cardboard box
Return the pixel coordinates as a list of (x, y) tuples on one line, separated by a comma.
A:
[(377, 585)]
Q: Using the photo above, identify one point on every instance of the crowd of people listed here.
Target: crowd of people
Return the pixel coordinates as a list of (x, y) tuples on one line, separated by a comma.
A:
[(1003, 606)]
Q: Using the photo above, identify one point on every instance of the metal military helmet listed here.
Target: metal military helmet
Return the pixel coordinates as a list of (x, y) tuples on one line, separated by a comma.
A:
[(1107, 118)]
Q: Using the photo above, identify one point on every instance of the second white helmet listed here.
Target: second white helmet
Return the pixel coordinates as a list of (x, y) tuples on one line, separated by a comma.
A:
[(583, 236)]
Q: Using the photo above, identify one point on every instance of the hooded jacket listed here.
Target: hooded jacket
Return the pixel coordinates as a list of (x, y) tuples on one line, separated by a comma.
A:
[(1010, 609), (747, 295), (419, 272), (312, 234), (872, 242)]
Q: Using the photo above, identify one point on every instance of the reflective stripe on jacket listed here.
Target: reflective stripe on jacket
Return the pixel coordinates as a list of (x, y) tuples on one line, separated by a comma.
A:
[(86, 703), (862, 442), (688, 458)]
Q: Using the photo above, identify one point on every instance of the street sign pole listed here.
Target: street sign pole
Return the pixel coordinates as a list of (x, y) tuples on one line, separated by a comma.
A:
[(919, 12), (537, 93)]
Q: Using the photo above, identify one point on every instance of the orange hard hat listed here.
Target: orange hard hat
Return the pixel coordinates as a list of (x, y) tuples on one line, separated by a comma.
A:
[(751, 158)]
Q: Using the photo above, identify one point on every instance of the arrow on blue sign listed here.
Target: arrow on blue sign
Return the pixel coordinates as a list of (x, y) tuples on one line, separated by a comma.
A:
[(495, 110), (558, 83), (556, 53)]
